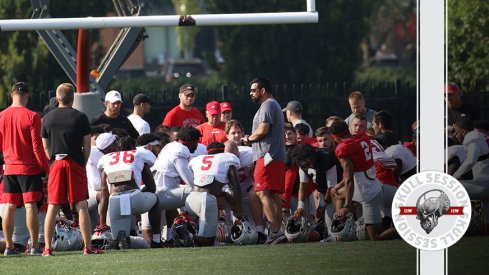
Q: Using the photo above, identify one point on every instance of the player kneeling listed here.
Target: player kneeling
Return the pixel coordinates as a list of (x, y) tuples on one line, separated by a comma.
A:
[(124, 171), (211, 173)]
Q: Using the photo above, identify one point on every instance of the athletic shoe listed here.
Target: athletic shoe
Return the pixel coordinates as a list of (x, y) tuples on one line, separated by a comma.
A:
[(327, 239), (170, 244), (122, 241), (92, 250), (158, 245), (47, 252), (275, 238), (262, 238), (11, 251), (36, 251)]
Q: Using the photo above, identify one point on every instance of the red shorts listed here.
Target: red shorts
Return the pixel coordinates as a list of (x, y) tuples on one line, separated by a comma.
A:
[(20, 189), (67, 182), (271, 177)]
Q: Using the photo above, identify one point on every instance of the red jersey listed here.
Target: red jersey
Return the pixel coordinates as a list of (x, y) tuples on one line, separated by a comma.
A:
[(21, 143), (359, 150), (212, 133), (411, 145), (311, 141), (179, 117)]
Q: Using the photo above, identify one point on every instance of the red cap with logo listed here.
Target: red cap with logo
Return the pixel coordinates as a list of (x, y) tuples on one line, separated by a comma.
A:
[(225, 106), (213, 108), (451, 88)]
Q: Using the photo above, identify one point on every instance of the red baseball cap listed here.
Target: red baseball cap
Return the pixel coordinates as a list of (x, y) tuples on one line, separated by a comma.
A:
[(451, 87), (213, 108), (225, 106)]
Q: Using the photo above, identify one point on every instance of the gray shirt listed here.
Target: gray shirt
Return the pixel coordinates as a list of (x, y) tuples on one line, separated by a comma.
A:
[(274, 141), (369, 115)]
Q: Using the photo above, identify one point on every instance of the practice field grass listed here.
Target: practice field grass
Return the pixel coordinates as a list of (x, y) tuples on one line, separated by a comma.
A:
[(390, 257)]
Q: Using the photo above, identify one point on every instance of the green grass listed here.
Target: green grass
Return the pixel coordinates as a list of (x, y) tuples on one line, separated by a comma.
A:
[(468, 256), (312, 258)]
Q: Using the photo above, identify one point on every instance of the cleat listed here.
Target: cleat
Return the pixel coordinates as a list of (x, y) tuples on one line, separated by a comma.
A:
[(92, 250), (276, 238), (122, 241), (11, 251), (36, 251), (158, 245), (47, 252), (262, 238)]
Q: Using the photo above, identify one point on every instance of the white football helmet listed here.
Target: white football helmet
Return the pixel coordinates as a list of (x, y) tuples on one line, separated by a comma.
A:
[(66, 238), (102, 240), (297, 230), (242, 233), (343, 230), (183, 231), (361, 229)]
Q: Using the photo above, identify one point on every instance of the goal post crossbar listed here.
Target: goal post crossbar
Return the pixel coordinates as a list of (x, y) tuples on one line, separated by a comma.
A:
[(159, 21)]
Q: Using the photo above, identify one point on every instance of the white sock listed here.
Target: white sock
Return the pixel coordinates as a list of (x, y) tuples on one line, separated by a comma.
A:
[(259, 228), (157, 238)]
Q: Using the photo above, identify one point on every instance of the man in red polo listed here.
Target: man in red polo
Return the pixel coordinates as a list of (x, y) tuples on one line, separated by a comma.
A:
[(213, 129), (184, 114)]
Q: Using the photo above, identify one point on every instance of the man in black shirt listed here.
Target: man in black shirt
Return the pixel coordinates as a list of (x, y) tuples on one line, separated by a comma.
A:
[(111, 116), (66, 139), (382, 125), (318, 165), (456, 108)]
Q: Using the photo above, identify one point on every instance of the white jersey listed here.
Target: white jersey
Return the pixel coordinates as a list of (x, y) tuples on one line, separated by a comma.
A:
[(201, 150), (171, 165), (456, 151), (476, 147), (398, 151), (133, 160), (208, 168), (380, 156), (139, 124), (93, 173), (245, 172)]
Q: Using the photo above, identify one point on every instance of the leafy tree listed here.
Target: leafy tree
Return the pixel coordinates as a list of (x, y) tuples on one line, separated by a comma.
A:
[(23, 55), (300, 53), (468, 37)]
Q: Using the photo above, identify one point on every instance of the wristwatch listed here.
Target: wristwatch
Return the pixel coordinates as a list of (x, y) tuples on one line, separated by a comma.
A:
[(248, 139)]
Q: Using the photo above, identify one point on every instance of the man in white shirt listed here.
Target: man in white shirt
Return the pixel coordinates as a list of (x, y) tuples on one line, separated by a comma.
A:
[(142, 106)]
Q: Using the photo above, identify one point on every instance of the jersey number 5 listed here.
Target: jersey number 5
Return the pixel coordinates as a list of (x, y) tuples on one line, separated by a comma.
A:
[(127, 157), (207, 161), (366, 150)]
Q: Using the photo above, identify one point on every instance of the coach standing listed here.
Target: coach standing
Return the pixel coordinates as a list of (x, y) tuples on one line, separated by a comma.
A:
[(268, 143), (66, 139), (25, 162), (113, 117)]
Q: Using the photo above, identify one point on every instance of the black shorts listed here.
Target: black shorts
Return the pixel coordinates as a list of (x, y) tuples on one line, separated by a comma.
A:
[(20, 189)]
